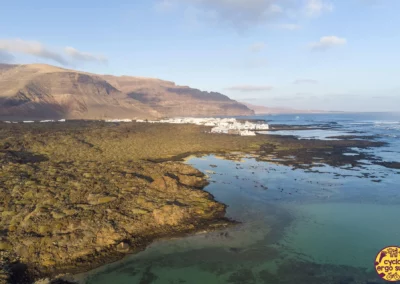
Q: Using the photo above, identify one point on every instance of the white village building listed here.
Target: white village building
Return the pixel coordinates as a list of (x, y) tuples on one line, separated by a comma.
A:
[(220, 125)]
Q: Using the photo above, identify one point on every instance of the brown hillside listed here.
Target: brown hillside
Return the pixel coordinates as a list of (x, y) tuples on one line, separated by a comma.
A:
[(50, 92), (171, 100), (44, 91)]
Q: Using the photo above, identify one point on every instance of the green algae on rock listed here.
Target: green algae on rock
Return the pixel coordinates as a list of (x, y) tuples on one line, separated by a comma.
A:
[(60, 223), (77, 195)]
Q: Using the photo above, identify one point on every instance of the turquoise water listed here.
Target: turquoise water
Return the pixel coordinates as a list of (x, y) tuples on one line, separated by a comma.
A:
[(298, 226), (342, 233)]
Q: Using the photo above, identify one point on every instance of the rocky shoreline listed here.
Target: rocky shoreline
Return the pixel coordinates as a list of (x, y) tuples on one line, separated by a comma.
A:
[(99, 223), (79, 195)]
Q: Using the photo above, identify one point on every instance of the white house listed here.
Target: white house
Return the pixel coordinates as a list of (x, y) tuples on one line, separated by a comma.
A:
[(220, 125), (247, 133)]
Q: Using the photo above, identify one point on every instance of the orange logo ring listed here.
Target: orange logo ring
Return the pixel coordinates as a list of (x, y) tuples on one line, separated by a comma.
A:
[(387, 263)]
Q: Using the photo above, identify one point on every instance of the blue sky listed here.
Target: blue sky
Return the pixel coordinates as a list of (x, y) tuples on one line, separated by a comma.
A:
[(305, 54)]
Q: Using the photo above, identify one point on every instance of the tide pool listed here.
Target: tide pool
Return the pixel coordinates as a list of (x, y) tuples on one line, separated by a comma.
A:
[(298, 226)]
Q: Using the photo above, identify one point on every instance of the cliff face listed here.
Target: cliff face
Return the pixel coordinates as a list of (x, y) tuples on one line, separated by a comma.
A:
[(43, 91), (171, 100)]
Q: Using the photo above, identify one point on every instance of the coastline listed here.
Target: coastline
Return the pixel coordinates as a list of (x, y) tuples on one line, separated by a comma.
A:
[(172, 220), (267, 217), (111, 257), (265, 147)]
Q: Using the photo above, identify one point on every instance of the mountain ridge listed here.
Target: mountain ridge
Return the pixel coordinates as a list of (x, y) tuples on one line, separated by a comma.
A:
[(46, 91)]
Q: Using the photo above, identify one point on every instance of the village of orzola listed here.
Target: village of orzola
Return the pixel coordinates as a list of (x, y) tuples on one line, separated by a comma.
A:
[(220, 125)]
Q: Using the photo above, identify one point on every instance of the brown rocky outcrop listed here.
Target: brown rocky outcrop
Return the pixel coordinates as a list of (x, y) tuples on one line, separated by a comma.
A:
[(56, 215)]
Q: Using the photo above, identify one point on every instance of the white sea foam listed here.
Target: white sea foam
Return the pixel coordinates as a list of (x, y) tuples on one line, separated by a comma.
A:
[(360, 123), (386, 122), (388, 126)]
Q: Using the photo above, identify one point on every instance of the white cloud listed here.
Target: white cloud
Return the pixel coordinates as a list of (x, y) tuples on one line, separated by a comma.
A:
[(243, 14), (196, 17), (257, 47), (327, 42), (84, 56), (164, 5), (315, 8), (8, 47), (33, 48), (274, 8), (249, 88), (239, 13)]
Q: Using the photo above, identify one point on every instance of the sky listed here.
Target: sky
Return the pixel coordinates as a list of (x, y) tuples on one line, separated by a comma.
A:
[(303, 54)]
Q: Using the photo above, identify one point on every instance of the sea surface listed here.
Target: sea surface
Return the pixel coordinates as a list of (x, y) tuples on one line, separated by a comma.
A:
[(297, 226)]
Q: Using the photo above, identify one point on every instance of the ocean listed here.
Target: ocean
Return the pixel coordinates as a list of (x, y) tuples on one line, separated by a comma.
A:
[(297, 225)]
